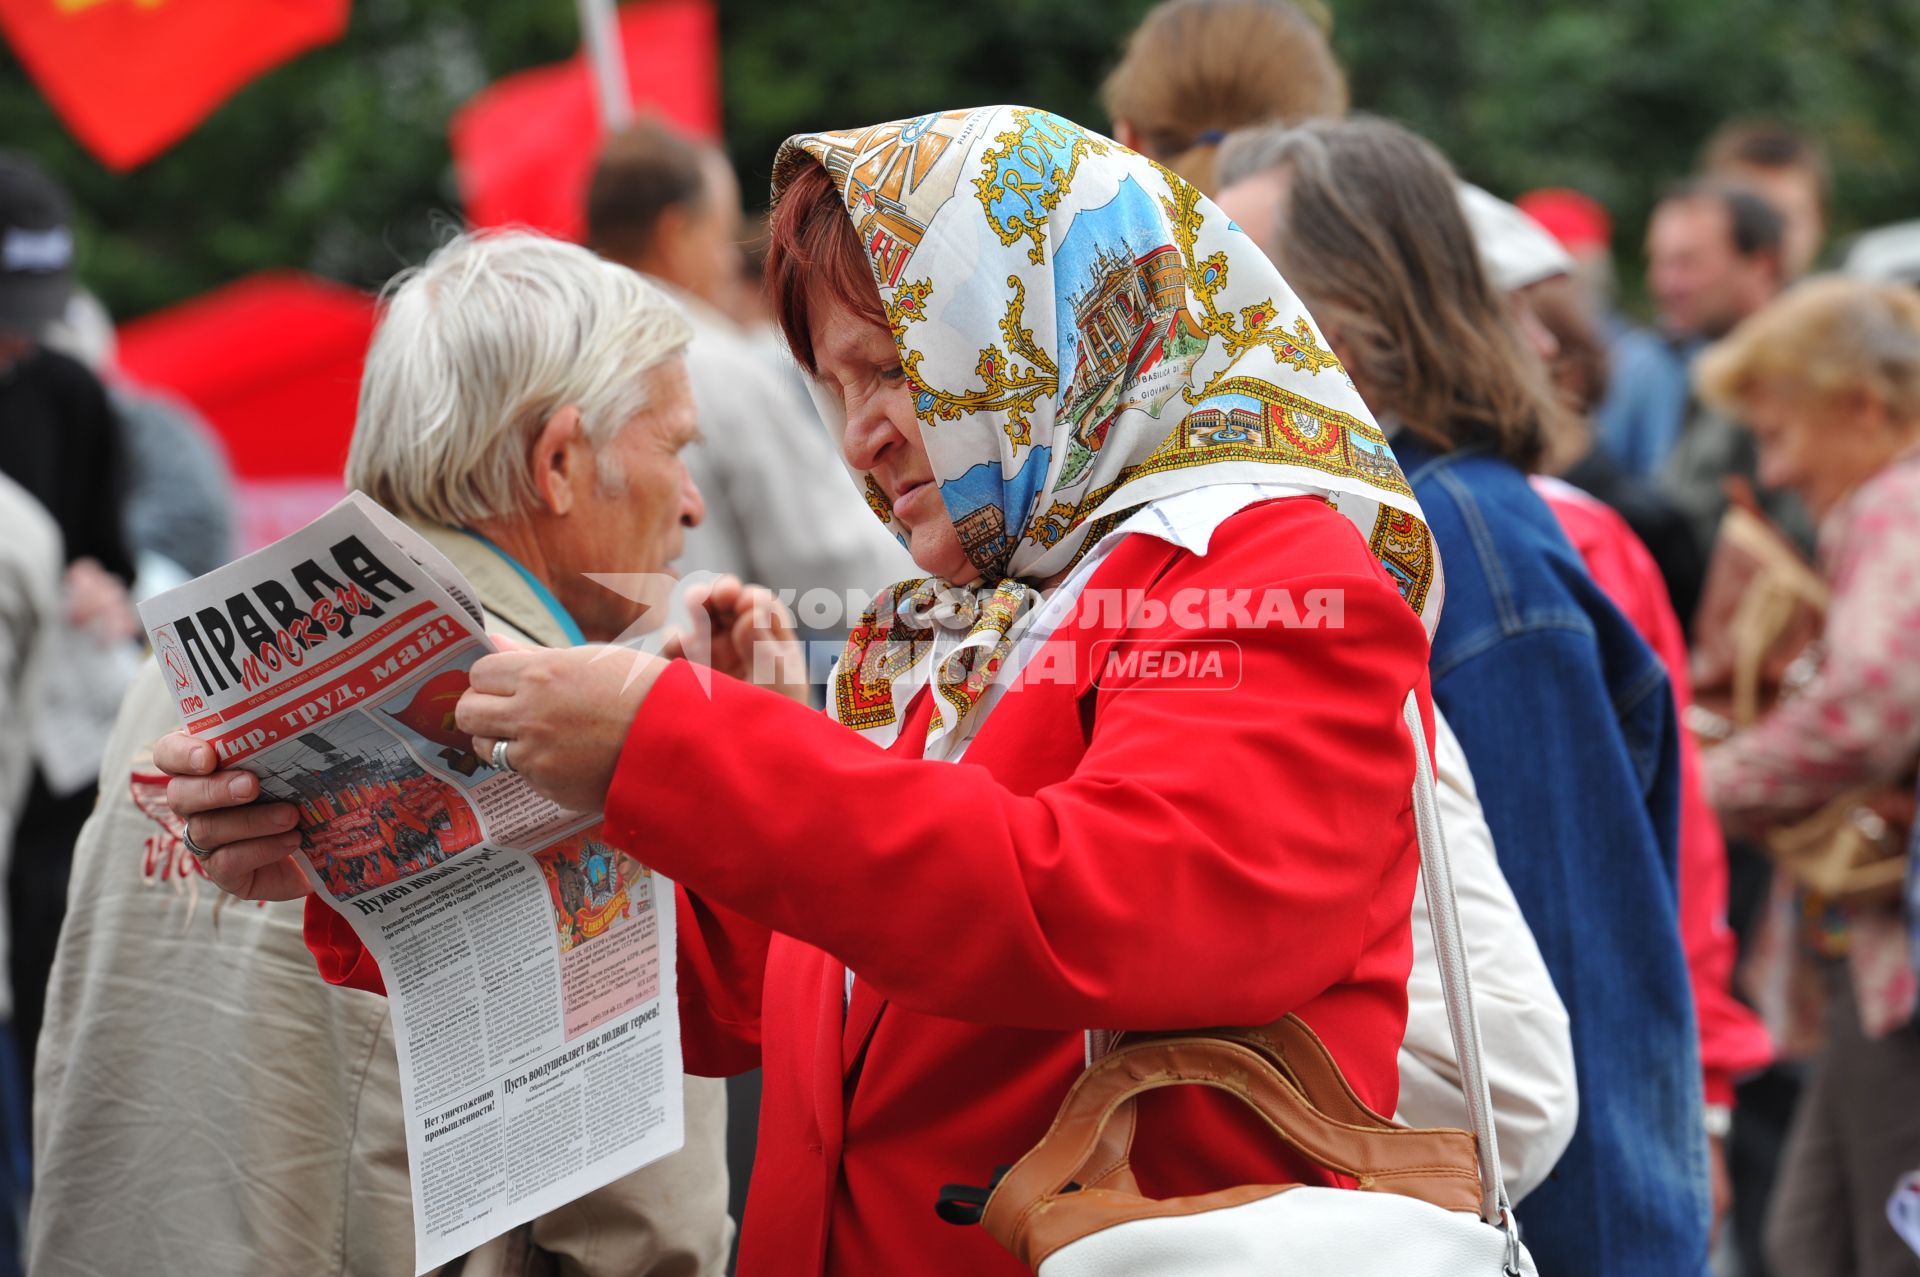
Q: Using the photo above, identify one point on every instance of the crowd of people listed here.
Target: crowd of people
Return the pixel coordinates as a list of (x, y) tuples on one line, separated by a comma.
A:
[(1653, 588)]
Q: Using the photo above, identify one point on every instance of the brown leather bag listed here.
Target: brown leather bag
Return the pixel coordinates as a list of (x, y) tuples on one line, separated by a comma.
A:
[(1078, 1180), (1762, 607), (1853, 850)]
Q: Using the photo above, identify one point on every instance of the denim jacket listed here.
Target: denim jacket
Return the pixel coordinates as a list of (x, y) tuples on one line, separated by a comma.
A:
[(1567, 719)]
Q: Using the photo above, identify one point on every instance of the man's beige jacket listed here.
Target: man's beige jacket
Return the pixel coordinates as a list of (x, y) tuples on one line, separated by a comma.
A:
[(206, 1104)]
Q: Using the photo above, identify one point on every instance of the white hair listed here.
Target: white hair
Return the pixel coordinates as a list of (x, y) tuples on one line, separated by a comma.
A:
[(477, 348)]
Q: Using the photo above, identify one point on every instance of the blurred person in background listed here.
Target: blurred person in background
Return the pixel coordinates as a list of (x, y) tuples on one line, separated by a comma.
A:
[(524, 407), (1642, 377), (1541, 279), (180, 499), (1784, 167), (753, 313), (1564, 713), (1714, 257), (1828, 380), (1529, 1056), (1581, 225), (752, 309), (30, 559), (1195, 70), (62, 443), (668, 207), (1537, 276), (1886, 255)]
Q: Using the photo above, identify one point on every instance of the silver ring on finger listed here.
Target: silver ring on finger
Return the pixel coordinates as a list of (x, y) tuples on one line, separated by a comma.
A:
[(499, 757), (186, 837)]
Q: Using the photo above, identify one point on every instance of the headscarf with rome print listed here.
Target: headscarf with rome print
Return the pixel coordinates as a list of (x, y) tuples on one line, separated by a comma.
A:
[(1084, 332)]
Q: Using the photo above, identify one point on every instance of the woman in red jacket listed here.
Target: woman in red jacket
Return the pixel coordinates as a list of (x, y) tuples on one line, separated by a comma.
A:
[(1170, 792)]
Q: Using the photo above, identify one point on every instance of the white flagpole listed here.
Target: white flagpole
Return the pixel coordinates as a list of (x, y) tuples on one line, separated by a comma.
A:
[(600, 33)]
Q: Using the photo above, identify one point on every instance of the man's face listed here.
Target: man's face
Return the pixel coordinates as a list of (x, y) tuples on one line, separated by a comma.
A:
[(1698, 278), (632, 498), (706, 255), (1794, 193)]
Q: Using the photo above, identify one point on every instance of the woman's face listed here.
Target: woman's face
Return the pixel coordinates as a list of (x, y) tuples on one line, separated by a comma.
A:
[(860, 366), (1819, 448)]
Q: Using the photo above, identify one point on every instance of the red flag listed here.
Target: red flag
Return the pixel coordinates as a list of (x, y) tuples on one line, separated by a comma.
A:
[(523, 148), (132, 77), (273, 361)]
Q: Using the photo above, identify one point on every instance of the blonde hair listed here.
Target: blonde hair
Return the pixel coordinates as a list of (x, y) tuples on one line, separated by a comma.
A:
[(1373, 240), (1828, 336), (477, 348), (1195, 70)]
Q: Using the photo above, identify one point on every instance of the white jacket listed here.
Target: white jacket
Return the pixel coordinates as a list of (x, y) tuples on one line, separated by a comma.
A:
[(1523, 1024)]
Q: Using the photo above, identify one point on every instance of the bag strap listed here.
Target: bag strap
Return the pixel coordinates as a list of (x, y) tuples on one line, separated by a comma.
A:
[(1456, 982), (1075, 1162)]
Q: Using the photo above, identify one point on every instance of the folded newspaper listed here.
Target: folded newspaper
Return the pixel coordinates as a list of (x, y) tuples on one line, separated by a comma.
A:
[(528, 961)]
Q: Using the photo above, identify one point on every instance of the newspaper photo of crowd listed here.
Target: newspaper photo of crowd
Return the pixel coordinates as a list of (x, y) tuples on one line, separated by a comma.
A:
[(369, 812)]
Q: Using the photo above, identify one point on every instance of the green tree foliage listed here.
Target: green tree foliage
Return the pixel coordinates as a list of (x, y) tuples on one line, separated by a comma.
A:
[(338, 162), (1616, 98)]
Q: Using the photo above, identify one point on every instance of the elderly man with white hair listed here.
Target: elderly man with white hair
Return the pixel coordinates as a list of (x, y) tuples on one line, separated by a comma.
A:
[(524, 407)]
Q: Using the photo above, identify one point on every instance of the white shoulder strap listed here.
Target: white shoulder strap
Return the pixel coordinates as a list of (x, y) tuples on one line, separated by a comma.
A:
[(1450, 953)]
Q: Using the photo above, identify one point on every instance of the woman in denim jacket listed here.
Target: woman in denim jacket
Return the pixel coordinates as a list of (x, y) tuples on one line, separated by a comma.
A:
[(1564, 712)]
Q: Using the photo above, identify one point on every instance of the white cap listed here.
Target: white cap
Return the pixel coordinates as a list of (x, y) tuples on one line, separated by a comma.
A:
[(1888, 255), (1516, 250)]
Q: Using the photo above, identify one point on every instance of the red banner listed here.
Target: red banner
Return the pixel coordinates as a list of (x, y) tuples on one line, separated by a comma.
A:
[(132, 77), (523, 148), (273, 361)]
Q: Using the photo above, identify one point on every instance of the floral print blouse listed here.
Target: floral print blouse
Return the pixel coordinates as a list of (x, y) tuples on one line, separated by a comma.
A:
[(1857, 721)]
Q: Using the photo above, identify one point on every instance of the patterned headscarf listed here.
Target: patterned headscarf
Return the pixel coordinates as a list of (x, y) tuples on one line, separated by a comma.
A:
[(1084, 332)]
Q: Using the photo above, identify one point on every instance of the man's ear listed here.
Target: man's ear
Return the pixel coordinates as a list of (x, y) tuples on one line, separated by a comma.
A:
[(554, 460), (1126, 135)]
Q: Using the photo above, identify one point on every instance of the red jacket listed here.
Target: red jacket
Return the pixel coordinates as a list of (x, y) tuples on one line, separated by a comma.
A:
[(1169, 858), (1732, 1039)]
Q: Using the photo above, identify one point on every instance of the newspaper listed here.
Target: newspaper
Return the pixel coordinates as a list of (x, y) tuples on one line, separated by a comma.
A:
[(528, 961)]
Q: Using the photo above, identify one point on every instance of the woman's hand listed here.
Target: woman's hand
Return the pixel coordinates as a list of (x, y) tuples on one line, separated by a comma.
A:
[(564, 713), (246, 847), (744, 632)]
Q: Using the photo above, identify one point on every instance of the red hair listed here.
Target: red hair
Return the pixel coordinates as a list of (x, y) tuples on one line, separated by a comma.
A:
[(813, 254)]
